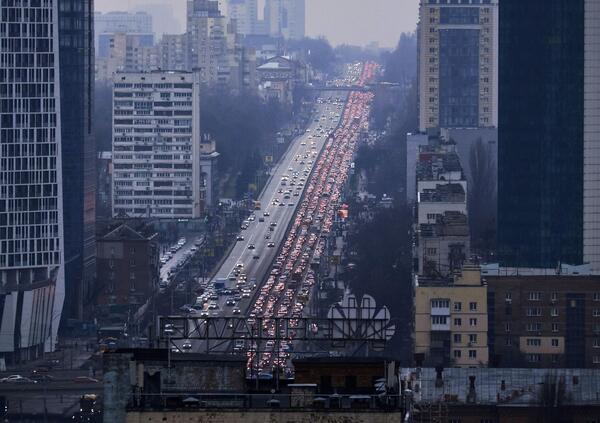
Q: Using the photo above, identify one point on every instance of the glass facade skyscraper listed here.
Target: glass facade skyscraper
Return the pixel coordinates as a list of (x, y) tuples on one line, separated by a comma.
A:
[(541, 132), (76, 38), (31, 210)]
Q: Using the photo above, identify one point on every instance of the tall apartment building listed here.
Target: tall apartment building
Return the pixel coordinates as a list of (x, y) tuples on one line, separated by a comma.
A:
[(127, 22), (451, 321), (245, 14), (31, 192), (549, 138), (458, 64), (125, 53), (172, 52), (286, 18), (76, 29), (156, 145), (206, 32)]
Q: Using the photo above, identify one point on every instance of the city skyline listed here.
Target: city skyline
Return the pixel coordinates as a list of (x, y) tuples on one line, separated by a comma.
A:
[(322, 19)]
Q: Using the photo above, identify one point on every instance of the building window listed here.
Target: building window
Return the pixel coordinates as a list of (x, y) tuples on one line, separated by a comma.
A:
[(554, 327), (534, 327), (596, 296), (457, 353), (440, 303), (439, 320), (457, 338), (508, 342), (507, 327), (554, 312), (596, 312), (596, 343), (534, 296), (457, 306), (473, 338), (596, 359), (554, 342), (454, 421), (533, 358), (472, 322), (472, 353), (554, 297), (457, 322), (534, 311), (534, 342), (473, 306)]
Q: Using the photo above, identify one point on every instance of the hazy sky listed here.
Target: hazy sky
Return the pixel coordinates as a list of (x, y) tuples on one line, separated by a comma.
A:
[(341, 21)]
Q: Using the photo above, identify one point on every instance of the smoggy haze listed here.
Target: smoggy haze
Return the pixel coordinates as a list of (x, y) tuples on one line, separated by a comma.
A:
[(341, 21)]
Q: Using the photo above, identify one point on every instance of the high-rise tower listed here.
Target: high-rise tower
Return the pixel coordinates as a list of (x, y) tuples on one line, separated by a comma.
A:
[(76, 37), (549, 136), (458, 64), (32, 287)]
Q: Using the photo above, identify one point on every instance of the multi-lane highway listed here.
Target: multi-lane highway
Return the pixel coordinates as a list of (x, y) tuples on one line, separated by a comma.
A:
[(265, 229), (267, 273)]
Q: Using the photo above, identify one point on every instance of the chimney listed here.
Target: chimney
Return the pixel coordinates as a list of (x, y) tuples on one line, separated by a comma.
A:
[(472, 395)]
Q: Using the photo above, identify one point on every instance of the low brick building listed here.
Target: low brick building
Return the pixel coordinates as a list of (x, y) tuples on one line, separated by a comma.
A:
[(544, 321)]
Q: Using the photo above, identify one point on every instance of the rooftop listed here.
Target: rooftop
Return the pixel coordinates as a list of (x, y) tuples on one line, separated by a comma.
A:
[(504, 386), (443, 193)]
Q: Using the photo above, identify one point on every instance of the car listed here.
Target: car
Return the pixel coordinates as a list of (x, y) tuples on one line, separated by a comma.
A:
[(255, 257), (281, 204), (271, 244), (236, 310), (266, 214), (204, 313), (291, 204), (17, 379), (251, 247), (230, 302), (273, 224), (213, 306), (261, 219), (267, 236), (187, 345)]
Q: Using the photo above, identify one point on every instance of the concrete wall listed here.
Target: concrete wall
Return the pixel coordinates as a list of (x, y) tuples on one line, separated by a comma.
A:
[(260, 416)]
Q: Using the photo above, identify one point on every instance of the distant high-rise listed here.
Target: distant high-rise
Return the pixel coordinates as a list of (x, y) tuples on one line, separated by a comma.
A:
[(31, 208), (126, 22), (76, 34), (549, 132), (245, 14), (286, 18), (458, 64)]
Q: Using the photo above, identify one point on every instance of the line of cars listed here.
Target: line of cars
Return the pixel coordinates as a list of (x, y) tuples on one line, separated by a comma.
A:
[(181, 262), (288, 286)]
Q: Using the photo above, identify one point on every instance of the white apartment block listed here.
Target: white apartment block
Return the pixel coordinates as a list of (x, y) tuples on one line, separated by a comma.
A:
[(32, 282), (156, 145), (591, 136), (458, 64)]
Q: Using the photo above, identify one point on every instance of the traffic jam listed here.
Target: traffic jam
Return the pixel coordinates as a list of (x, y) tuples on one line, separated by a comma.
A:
[(288, 286)]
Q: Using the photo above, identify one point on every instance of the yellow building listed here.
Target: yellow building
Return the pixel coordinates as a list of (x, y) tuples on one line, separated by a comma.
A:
[(451, 320)]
